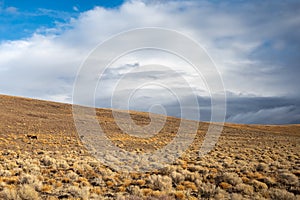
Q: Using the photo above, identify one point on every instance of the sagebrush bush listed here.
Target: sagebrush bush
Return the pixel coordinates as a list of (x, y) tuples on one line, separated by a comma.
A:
[(225, 185), (270, 181), (262, 167), (177, 177), (230, 177), (288, 178), (236, 196), (221, 194), (47, 161), (259, 185), (280, 194), (27, 179), (62, 164), (10, 165), (207, 190), (27, 192), (135, 190), (244, 188), (4, 172), (72, 175), (167, 170), (9, 194), (81, 193), (161, 183), (32, 168)]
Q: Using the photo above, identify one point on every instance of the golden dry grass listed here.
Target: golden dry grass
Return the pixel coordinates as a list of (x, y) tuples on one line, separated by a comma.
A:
[(41, 157)]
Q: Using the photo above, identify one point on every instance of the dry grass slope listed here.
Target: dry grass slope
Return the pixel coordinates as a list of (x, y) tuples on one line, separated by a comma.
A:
[(41, 157)]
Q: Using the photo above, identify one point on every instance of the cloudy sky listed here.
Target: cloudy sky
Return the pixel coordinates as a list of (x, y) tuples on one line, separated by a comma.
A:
[(255, 46)]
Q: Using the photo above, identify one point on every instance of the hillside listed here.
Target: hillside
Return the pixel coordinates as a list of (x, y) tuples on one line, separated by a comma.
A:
[(41, 157)]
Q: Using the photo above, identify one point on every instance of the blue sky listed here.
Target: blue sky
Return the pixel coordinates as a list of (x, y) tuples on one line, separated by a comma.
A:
[(254, 44), (20, 19)]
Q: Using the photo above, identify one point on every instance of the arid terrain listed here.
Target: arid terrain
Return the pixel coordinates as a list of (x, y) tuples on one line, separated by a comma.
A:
[(41, 157)]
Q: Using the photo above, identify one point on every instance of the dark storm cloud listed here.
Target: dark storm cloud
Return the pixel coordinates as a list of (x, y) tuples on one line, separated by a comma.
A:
[(263, 110), (249, 110)]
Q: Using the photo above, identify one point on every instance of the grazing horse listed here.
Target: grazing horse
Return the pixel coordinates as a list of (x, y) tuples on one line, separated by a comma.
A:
[(32, 137)]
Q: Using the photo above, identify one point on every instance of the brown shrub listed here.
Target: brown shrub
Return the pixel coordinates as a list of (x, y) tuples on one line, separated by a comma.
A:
[(140, 182), (231, 178), (9, 194), (221, 194), (27, 192), (207, 190), (262, 167), (189, 185), (179, 194), (46, 188), (270, 181), (225, 185), (288, 178), (180, 187), (259, 185), (146, 191), (97, 190), (236, 196), (177, 177), (47, 161), (162, 183), (279, 194), (82, 193), (244, 188)]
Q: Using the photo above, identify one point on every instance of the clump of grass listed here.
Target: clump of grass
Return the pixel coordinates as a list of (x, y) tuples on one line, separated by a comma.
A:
[(236, 196), (262, 167), (231, 178), (27, 192), (46, 188), (288, 178), (225, 185), (189, 185), (9, 194), (47, 160), (140, 182), (82, 193), (259, 185), (72, 175), (158, 182), (62, 164), (177, 177), (179, 194), (279, 194), (270, 181), (245, 189), (207, 190), (4, 172), (221, 194), (135, 190)]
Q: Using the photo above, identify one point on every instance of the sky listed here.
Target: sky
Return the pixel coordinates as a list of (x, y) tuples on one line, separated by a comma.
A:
[(255, 46)]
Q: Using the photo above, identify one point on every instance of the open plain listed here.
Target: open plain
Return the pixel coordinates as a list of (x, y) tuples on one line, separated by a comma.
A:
[(41, 157)]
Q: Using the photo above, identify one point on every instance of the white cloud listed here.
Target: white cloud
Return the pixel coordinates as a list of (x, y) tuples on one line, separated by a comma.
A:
[(11, 10), (38, 67), (75, 8)]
